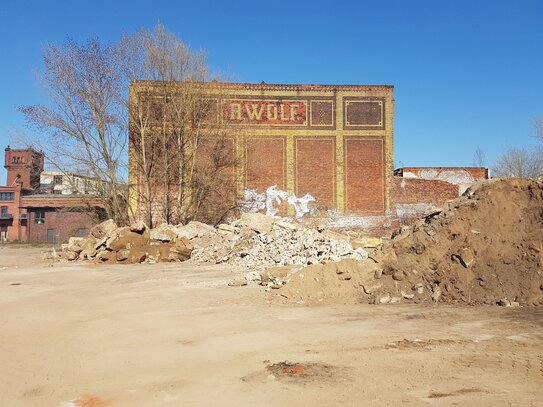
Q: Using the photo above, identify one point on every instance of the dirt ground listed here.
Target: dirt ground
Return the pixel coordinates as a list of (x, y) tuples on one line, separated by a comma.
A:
[(175, 334)]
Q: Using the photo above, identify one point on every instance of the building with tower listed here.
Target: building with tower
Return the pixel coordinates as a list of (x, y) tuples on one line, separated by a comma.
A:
[(31, 210)]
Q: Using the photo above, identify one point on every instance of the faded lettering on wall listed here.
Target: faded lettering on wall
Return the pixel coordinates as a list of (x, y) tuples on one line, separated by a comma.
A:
[(266, 112)]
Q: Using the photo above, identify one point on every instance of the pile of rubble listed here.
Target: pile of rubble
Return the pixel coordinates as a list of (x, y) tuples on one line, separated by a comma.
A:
[(485, 247), (137, 243), (257, 241)]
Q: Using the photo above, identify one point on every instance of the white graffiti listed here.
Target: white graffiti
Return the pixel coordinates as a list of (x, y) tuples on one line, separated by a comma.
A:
[(300, 204), (274, 196), (255, 202), (457, 177)]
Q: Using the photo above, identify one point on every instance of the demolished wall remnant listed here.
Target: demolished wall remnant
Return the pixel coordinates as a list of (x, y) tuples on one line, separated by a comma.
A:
[(463, 177)]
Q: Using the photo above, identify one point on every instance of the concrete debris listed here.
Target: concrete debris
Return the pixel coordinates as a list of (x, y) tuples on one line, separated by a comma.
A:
[(256, 221), (164, 233), (195, 229), (137, 243), (285, 225), (259, 241), (436, 293), (255, 241), (74, 241), (237, 283), (227, 228), (385, 299), (407, 296), (504, 303), (465, 258), (366, 242), (138, 227), (253, 276), (103, 229)]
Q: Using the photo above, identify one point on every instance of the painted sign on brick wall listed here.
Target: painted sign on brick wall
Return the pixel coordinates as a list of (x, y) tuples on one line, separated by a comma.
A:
[(265, 112)]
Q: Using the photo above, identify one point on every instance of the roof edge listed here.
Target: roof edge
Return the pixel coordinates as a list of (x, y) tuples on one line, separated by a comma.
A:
[(277, 86)]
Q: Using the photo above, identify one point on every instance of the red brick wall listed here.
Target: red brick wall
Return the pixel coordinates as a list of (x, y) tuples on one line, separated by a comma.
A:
[(11, 226), (215, 160), (64, 223), (28, 164), (266, 163), (416, 190), (364, 176), (215, 157), (315, 169)]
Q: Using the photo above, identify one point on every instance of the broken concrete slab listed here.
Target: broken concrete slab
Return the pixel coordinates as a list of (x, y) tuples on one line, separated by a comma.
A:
[(194, 229), (257, 221), (103, 229), (164, 233)]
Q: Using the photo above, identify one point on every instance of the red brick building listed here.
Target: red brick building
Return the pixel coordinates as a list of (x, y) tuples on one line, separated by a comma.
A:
[(333, 142), (27, 216)]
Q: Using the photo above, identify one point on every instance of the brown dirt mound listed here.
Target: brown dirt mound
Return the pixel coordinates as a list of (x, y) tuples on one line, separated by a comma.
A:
[(486, 247)]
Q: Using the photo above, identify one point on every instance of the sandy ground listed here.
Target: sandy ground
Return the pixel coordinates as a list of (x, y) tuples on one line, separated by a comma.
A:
[(176, 335)]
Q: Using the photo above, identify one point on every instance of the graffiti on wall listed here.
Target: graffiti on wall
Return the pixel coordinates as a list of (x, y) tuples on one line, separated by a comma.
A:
[(253, 201), (457, 177)]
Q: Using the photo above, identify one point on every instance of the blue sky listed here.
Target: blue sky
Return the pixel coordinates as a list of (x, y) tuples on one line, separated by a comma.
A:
[(467, 74)]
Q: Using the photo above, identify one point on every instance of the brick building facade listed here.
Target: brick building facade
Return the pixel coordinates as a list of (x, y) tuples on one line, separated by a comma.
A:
[(29, 217), (415, 190), (334, 142)]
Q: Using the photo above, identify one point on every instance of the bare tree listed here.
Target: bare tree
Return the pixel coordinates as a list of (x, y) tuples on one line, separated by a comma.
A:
[(171, 115), (479, 158), (84, 128), (538, 126), (519, 162), (179, 157)]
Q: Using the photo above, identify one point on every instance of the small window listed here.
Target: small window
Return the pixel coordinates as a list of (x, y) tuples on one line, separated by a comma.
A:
[(57, 179), (40, 217), (3, 210), (7, 196)]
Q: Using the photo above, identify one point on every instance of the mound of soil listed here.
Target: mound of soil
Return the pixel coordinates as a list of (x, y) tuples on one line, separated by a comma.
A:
[(486, 247)]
